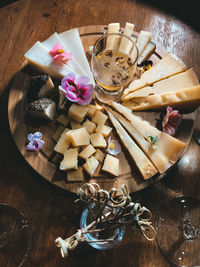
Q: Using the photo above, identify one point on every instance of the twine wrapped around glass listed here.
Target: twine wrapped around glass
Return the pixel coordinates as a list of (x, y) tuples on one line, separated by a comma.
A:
[(103, 221)]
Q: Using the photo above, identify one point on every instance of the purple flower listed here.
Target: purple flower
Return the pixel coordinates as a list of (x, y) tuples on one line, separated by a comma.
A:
[(35, 142), (171, 121), (114, 147), (77, 90)]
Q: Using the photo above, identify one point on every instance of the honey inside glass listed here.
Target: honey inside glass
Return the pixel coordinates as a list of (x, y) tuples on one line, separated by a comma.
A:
[(114, 61)]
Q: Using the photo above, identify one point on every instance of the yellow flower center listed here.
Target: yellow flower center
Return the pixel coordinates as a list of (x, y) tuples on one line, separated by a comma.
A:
[(60, 51), (112, 145)]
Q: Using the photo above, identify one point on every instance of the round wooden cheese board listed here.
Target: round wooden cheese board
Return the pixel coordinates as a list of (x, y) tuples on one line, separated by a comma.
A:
[(46, 161)]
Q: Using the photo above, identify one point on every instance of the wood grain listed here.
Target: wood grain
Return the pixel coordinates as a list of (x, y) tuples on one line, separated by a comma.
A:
[(50, 211)]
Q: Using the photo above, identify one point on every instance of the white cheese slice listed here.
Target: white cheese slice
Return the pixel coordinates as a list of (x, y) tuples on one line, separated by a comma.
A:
[(73, 64), (143, 39), (143, 164), (113, 42), (38, 56), (181, 80), (168, 66), (155, 155), (170, 146), (150, 48), (73, 43), (125, 44), (187, 99)]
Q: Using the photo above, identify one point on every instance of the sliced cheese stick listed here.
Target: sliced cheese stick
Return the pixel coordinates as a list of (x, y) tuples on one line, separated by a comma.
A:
[(38, 56), (143, 39), (143, 164), (147, 52), (112, 42), (168, 66), (125, 44), (185, 99), (170, 146), (73, 43), (155, 155), (72, 63)]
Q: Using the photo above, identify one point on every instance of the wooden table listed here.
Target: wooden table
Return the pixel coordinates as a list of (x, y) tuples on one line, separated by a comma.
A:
[(50, 211)]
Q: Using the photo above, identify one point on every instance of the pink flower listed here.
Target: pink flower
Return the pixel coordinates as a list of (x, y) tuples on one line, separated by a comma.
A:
[(35, 141), (113, 147), (171, 121), (59, 55), (77, 90)]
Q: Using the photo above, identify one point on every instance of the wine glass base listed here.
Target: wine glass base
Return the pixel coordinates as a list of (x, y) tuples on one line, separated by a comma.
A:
[(14, 236), (106, 96), (178, 230)]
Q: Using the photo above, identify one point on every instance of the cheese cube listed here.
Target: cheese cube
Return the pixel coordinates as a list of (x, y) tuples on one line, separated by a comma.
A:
[(77, 112), (92, 110), (99, 155), (58, 133), (87, 152), (100, 117), (62, 144), (90, 126), (98, 140), (76, 176), (75, 125), (63, 119), (104, 129), (70, 160), (91, 165), (79, 137), (111, 165)]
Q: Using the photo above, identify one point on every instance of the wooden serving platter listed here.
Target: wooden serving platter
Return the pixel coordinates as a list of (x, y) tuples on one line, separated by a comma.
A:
[(46, 161)]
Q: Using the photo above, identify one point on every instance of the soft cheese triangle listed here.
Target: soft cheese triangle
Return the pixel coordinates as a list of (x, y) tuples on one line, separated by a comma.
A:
[(184, 99), (168, 66), (38, 56), (171, 147), (181, 80), (155, 155), (143, 164), (73, 43)]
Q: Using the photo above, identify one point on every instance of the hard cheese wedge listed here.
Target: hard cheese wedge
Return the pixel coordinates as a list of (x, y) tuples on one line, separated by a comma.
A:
[(181, 80), (184, 99), (155, 155), (113, 42), (168, 66), (125, 44), (143, 164), (73, 64), (72, 42), (38, 56), (171, 147), (143, 39), (150, 48)]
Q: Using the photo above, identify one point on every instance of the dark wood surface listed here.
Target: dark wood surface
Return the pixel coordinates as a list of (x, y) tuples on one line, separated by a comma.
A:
[(51, 211)]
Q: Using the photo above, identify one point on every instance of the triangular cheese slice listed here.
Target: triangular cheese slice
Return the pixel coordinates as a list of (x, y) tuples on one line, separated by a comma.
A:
[(113, 42), (143, 164), (150, 48), (38, 56), (155, 155), (125, 44), (181, 80), (170, 146), (185, 99), (143, 39), (73, 43), (169, 65)]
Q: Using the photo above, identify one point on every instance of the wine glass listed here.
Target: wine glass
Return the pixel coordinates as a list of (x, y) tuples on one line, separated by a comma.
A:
[(178, 230), (114, 61), (14, 236)]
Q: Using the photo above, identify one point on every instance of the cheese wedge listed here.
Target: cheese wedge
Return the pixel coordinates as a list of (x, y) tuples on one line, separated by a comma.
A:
[(98, 140), (79, 137), (87, 152), (99, 155), (147, 52), (144, 38), (70, 160), (113, 42), (63, 144), (73, 64), (184, 99), (77, 112), (143, 164), (91, 165), (73, 43), (171, 147), (168, 66), (38, 56), (125, 44), (155, 155), (111, 165), (181, 80)]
